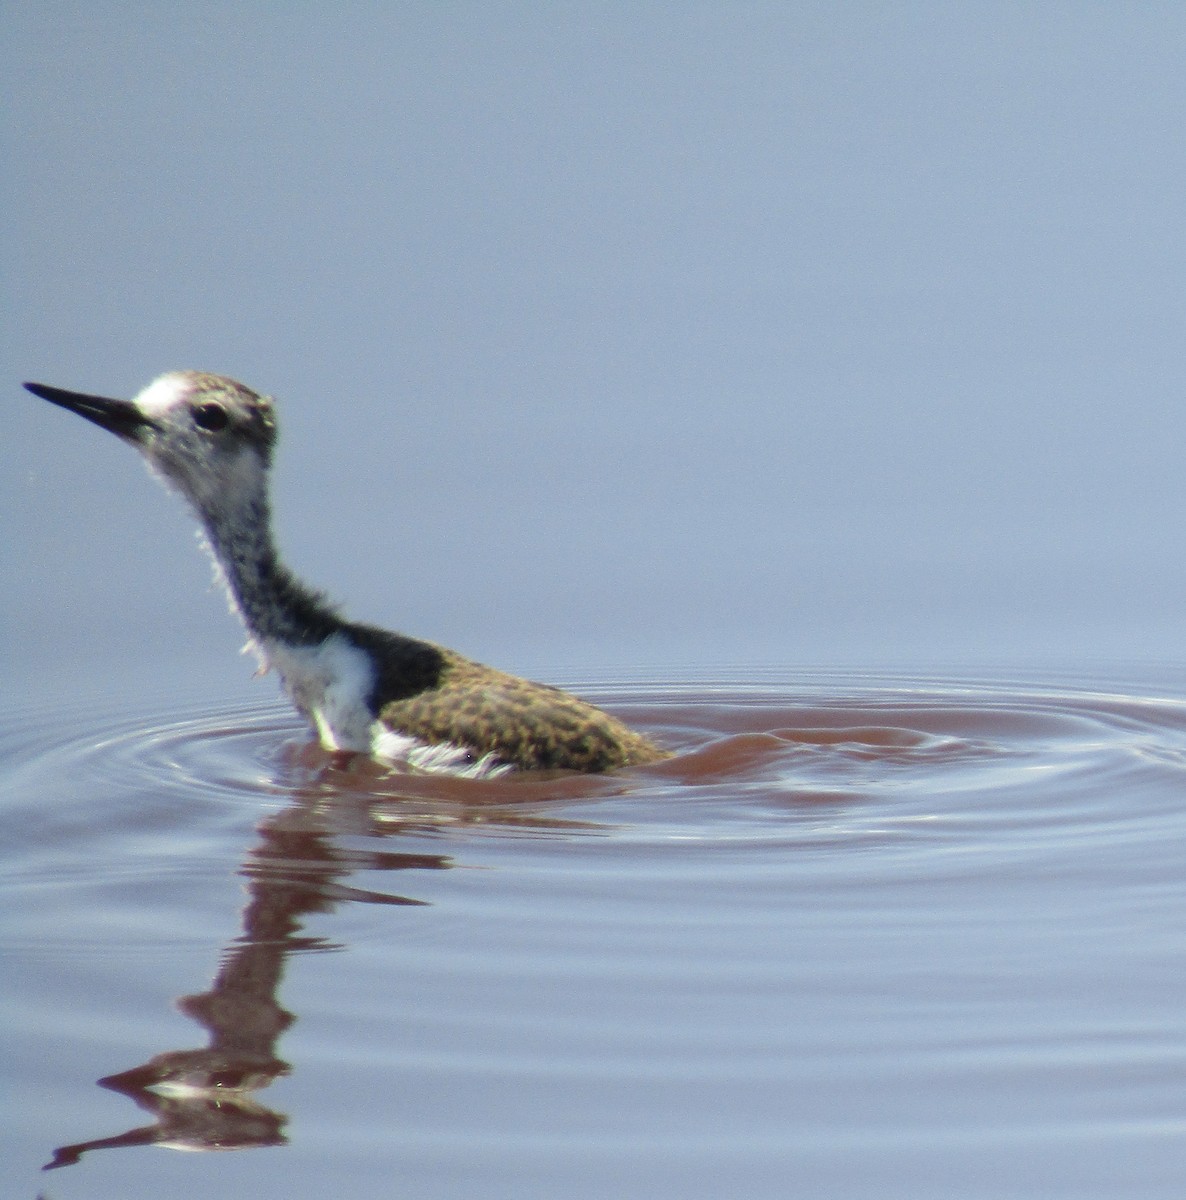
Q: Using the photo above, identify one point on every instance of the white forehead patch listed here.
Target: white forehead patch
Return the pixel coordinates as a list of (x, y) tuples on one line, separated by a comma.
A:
[(163, 393)]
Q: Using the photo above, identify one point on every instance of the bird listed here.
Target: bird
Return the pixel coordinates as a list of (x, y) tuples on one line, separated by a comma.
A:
[(361, 688)]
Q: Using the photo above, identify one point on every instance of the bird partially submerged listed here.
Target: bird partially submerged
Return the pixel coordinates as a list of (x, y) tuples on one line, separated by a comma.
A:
[(360, 687)]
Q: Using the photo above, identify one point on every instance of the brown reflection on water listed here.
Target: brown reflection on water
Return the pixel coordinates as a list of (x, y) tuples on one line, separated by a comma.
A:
[(205, 1098), (944, 854)]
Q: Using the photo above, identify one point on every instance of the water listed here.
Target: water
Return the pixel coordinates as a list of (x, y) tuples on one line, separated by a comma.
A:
[(862, 936), (607, 334)]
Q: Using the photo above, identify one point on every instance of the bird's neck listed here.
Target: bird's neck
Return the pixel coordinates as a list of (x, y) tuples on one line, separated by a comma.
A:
[(273, 604)]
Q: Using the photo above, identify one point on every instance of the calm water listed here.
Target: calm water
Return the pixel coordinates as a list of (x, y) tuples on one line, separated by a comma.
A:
[(862, 937), (607, 333)]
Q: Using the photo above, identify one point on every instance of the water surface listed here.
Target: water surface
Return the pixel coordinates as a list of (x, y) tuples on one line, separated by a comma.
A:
[(861, 937)]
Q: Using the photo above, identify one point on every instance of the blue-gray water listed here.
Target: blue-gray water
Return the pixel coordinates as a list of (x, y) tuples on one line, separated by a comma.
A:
[(766, 371), (863, 936)]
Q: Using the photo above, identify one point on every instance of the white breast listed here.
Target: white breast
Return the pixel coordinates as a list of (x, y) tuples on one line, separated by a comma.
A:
[(330, 684)]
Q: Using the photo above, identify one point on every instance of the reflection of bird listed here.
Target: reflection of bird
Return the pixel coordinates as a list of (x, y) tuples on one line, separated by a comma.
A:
[(361, 688)]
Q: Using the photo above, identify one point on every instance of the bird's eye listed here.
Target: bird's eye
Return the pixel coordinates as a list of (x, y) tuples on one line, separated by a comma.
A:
[(211, 417)]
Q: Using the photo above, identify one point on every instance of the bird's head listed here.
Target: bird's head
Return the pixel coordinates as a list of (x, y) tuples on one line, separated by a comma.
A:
[(207, 436)]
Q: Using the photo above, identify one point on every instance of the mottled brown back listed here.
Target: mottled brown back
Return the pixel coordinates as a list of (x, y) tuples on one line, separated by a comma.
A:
[(529, 725)]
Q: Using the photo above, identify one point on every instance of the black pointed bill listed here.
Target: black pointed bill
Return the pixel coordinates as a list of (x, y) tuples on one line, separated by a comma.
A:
[(120, 417)]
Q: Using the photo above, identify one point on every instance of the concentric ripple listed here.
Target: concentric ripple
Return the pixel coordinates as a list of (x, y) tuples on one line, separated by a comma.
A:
[(850, 914), (744, 753), (228, 752), (915, 766)]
